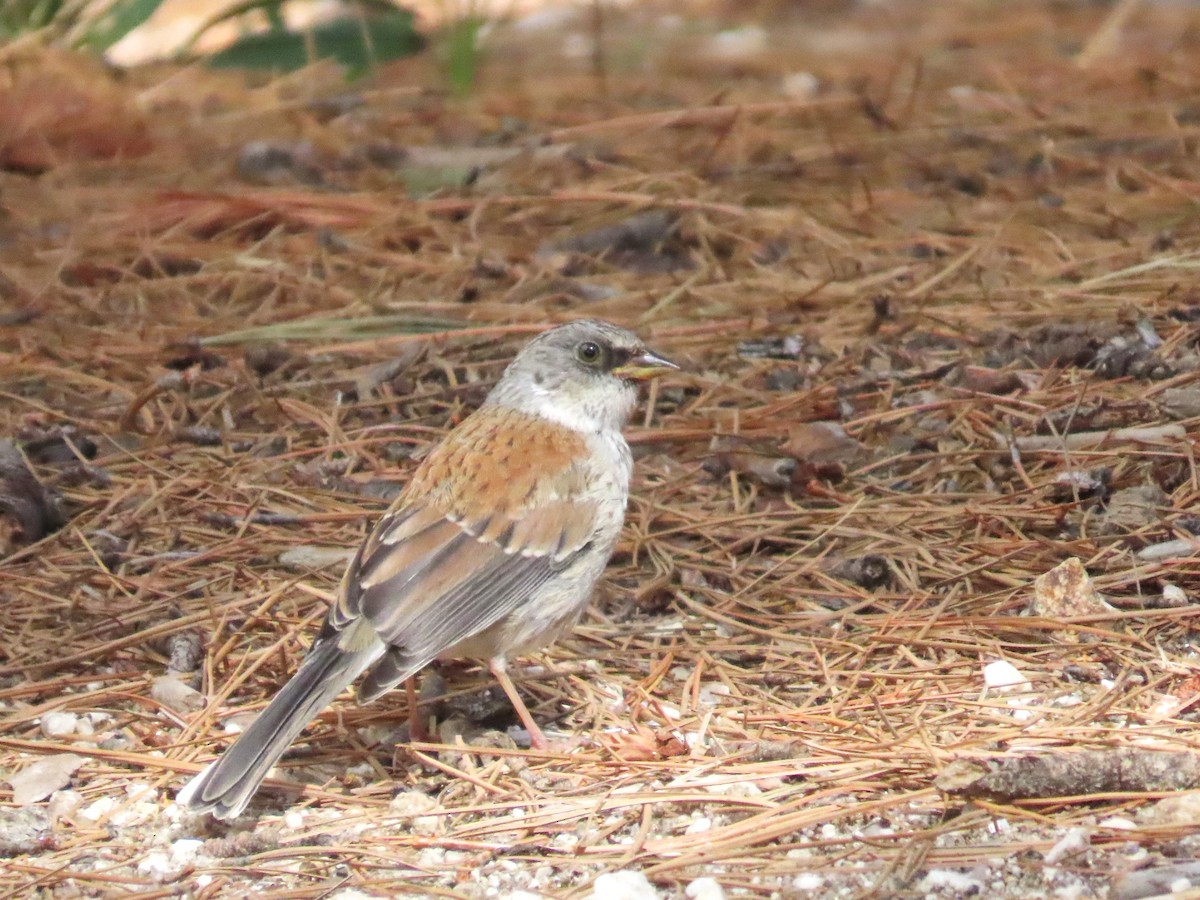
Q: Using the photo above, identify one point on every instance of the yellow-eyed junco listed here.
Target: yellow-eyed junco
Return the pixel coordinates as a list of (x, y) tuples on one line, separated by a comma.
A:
[(492, 549)]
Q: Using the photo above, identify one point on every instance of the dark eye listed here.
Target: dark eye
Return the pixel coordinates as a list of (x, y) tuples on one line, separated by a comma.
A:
[(590, 354)]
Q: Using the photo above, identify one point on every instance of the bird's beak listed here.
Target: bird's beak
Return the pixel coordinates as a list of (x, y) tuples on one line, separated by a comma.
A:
[(643, 367)]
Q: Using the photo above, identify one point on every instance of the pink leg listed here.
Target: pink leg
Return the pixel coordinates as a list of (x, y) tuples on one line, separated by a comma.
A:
[(499, 669), (418, 730)]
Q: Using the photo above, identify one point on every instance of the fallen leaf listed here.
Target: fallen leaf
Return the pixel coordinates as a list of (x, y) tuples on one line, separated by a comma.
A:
[(1067, 591), (41, 779)]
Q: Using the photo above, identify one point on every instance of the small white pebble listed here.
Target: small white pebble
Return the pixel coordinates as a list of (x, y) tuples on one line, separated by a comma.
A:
[(808, 881), (63, 803), (1174, 595), (98, 809), (174, 694), (960, 883), (1075, 839), (566, 842), (412, 803), (352, 894), (59, 724), (1119, 822), (1179, 885), (431, 857), (625, 884), (704, 889), (293, 820), (699, 826), (800, 85), (426, 825), (139, 791), (738, 44), (1003, 674), (155, 864), (184, 851)]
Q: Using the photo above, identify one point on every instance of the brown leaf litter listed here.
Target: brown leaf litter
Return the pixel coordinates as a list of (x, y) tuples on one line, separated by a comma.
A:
[(932, 284)]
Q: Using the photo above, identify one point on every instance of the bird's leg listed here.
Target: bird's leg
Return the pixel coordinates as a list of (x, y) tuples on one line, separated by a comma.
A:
[(499, 669), (418, 730)]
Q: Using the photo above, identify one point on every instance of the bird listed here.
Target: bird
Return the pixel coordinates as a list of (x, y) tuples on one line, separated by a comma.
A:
[(491, 550)]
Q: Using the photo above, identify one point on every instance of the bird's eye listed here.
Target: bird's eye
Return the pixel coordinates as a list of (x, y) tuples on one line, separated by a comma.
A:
[(590, 354)]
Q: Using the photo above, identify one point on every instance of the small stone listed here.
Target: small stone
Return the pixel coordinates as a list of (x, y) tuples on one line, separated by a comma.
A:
[(412, 803), (155, 864), (59, 724), (62, 803), (426, 825), (1074, 840), (699, 826), (1001, 675), (808, 881), (1181, 809), (1174, 596), (174, 694), (626, 884), (1064, 592), (98, 809), (704, 889), (184, 851), (959, 884)]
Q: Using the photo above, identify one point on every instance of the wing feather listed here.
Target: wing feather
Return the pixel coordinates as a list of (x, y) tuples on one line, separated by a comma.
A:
[(442, 565)]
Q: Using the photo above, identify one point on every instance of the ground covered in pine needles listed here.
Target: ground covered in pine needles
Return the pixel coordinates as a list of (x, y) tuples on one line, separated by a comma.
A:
[(907, 599)]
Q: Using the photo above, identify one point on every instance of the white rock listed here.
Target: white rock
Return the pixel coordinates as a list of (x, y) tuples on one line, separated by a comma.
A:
[(808, 881), (737, 44), (627, 884), (98, 809), (431, 857), (1118, 822), (139, 791), (62, 803), (47, 775), (426, 825), (800, 85), (1075, 839), (155, 864), (958, 883), (184, 852), (412, 803), (293, 819), (174, 694), (699, 826), (1001, 674), (704, 889), (1174, 595), (59, 724)]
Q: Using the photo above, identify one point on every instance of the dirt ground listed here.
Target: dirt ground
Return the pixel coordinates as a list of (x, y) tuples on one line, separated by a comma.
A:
[(904, 604)]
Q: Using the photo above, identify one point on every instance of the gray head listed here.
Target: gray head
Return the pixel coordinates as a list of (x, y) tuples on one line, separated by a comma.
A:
[(583, 375)]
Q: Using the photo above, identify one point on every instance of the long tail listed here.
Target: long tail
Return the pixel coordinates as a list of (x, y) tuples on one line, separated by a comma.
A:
[(226, 785)]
